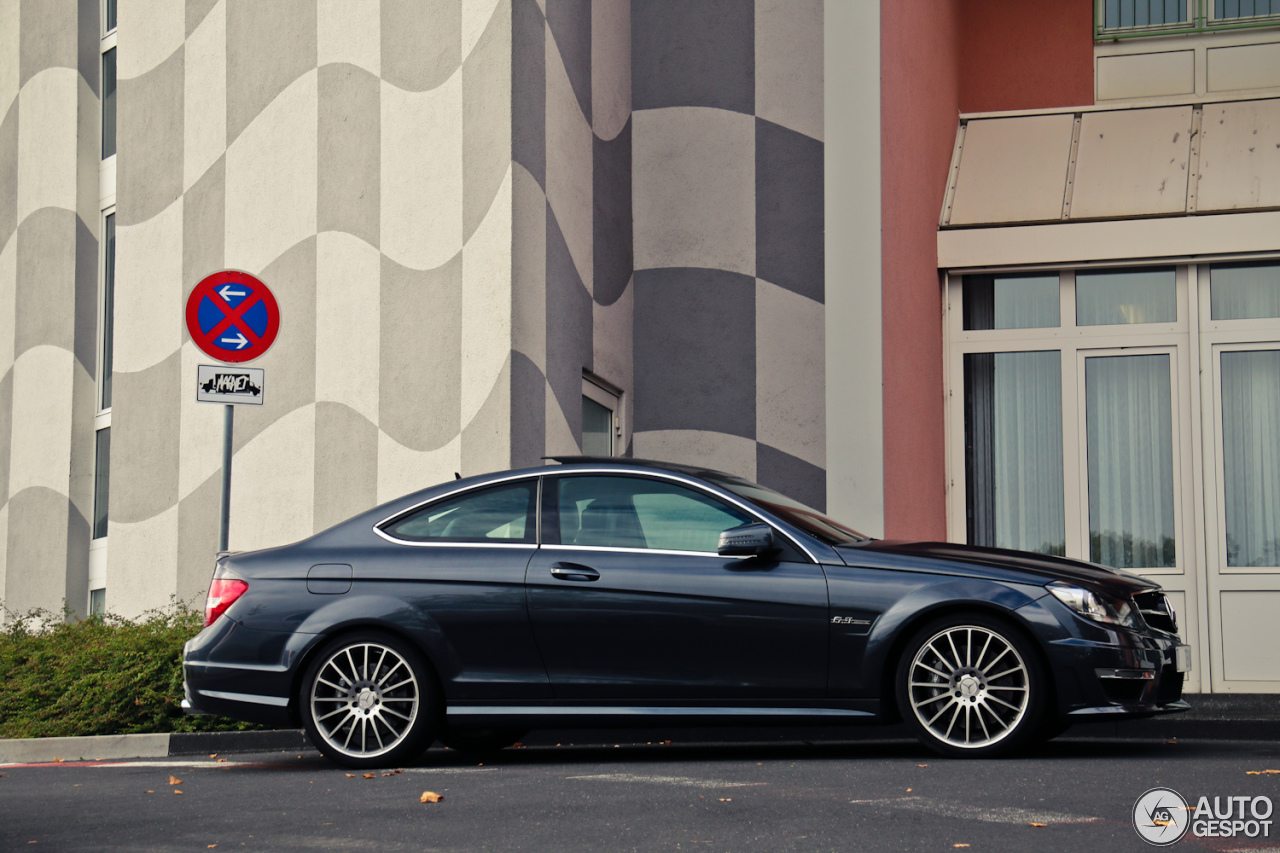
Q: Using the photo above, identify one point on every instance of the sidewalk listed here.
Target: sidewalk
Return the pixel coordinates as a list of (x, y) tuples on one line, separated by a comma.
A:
[(1218, 716)]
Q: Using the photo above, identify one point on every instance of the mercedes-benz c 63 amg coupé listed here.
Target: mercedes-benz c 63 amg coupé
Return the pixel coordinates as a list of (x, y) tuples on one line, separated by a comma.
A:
[(615, 593)]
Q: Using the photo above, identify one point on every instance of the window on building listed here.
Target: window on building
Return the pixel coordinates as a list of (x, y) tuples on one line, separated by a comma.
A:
[(108, 299), (1011, 302), (105, 314), (1013, 450), (1071, 436), (101, 479), (1127, 18), (109, 104), (601, 417)]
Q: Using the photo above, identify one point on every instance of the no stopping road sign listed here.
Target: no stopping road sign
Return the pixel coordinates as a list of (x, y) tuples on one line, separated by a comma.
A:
[(232, 316)]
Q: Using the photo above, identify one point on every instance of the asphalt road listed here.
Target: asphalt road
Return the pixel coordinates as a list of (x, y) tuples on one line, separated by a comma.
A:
[(729, 797)]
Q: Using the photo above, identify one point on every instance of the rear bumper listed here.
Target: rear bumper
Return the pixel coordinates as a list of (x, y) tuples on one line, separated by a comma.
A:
[(231, 671)]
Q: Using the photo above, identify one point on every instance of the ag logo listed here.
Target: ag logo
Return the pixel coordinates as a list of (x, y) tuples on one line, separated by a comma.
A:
[(1161, 816)]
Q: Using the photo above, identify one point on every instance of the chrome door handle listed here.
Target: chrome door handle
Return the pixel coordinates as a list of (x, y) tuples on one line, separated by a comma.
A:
[(574, 572)]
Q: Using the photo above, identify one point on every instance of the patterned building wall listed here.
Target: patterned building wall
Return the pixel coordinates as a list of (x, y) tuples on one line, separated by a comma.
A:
[(459, 214), (49, 162), (728, 207), (355, 156), (571, 92)]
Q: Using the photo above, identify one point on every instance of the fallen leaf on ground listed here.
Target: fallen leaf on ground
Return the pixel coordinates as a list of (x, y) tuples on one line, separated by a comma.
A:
[(959, 845), (351, 775), (150, 792), (370, 775), (213, 755), (1262, 772), (726, 799), (922, 765), (1039, 824), (210, 846), (430, 797), (176, 791), (174, 780), (220, 760), (908, 790)]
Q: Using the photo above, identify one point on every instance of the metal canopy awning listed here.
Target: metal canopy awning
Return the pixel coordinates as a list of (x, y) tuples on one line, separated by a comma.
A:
[(1036, 180)]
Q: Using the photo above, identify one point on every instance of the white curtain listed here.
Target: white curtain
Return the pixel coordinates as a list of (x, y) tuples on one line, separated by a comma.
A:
[(1130, 451), (1026, 302), (1118, 297), (1014, 426), (1244, 291), (1251, 456)]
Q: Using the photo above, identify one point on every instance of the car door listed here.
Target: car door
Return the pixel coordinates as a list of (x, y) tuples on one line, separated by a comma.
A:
[(630, 601), (459, 564)]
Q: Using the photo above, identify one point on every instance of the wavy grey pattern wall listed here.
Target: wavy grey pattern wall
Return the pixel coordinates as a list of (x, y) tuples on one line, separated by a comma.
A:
[(357, 157), (572, 228), (49, 161), (728, 207)]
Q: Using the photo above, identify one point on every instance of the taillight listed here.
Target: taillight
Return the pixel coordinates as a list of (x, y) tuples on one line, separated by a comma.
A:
[(222, 593)]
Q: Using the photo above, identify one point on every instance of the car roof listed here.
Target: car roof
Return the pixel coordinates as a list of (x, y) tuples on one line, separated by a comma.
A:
[(692, 470)]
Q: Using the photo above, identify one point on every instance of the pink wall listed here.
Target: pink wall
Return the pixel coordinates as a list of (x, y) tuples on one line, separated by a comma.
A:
[(919, 98), (1023, 55), (937, 59)]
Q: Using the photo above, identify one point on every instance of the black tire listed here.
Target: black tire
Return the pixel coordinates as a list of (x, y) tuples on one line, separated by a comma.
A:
[(386, 705), (971, 686), (480, 741)]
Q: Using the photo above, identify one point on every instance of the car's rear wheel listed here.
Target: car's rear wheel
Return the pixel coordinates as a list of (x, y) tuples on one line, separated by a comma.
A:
[(480, 741), (370, 700), (971, 685)]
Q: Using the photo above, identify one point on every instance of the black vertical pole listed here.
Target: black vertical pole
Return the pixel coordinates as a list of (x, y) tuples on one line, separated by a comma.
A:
[(228, 424)]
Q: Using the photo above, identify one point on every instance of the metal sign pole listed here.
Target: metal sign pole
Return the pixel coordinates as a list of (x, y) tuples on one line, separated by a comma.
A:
[(228, 425)]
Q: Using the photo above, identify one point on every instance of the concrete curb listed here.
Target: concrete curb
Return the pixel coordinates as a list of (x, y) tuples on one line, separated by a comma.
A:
[(39, 750)]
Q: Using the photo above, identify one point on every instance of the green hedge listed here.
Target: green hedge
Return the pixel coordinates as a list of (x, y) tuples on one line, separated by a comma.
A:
[(103, 675)]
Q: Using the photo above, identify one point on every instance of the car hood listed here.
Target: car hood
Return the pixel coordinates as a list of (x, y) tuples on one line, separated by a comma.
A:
[(1040, 565)]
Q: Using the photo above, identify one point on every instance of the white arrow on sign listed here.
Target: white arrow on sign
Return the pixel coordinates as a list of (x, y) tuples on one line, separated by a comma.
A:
[(239, 340), (226, 292)]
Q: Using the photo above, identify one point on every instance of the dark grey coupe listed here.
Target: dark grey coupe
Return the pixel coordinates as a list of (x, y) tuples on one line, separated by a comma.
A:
[(628, 593)]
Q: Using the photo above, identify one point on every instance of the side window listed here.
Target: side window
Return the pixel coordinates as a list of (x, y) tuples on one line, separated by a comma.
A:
[(499, 514), (634, 512)]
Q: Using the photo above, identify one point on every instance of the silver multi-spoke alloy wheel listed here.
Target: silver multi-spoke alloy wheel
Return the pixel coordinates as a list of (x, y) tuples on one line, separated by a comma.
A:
[(364, 699), (969, 687)]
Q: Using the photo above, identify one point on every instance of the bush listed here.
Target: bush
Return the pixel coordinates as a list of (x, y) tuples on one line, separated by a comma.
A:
[(103, 675)]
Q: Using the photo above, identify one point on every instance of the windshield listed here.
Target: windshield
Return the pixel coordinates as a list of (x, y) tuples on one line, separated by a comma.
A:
[(806, 518)]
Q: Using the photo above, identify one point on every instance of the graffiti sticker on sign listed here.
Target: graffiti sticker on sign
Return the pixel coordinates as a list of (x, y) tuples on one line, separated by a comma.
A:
[(236, 385)]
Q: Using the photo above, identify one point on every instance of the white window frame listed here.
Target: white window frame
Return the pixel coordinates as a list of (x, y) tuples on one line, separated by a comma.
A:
[(610, 396), (102, 416)]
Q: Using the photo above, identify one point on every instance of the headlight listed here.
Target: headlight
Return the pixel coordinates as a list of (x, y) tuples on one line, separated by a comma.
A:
[(1091, 605)]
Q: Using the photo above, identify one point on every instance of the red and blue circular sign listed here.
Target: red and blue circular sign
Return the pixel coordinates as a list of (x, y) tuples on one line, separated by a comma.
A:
[(232, 316)]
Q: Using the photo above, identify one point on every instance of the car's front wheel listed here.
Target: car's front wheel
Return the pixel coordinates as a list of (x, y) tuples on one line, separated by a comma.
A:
[(370, 700), (971, 685)]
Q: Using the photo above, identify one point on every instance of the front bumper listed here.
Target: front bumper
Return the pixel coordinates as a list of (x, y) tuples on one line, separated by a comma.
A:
[(1110, 672)]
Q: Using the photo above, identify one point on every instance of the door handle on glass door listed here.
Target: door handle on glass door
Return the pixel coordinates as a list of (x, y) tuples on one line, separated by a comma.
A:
[(574, 572)]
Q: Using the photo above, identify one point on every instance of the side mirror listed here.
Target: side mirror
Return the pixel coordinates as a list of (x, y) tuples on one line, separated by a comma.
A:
[(747, 540)]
